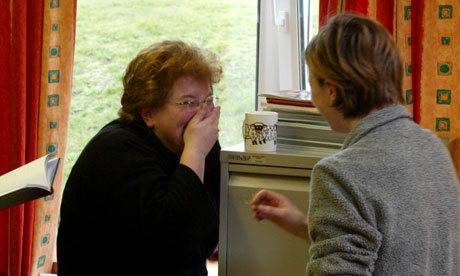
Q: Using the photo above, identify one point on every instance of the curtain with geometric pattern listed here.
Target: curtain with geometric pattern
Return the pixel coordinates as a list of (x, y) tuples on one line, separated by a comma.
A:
[(36, 61), (427, 35)]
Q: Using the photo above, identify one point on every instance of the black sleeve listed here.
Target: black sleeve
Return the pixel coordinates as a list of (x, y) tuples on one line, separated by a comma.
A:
[(212, 173), (180, 213)]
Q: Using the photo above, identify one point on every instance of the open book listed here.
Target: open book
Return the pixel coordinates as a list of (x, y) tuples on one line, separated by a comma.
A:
[(30, 181)]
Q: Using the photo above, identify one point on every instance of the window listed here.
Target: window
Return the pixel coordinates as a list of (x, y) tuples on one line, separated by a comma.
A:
[(286, 26), (109, 34)]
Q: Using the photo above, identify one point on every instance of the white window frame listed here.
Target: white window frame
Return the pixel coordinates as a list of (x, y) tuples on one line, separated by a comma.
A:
[(281, 44)]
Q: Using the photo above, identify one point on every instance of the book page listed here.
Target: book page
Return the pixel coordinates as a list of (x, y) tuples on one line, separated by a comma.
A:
[(292, 95), (51, 167), (276, 107), (32, 174)]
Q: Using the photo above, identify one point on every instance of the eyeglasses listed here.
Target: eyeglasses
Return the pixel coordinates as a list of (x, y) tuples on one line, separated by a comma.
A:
[(211, 100)]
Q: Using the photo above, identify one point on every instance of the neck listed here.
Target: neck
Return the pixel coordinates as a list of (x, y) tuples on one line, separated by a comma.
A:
[(349, 124)]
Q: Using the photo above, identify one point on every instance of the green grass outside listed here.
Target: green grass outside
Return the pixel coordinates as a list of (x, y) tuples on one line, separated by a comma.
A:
[(111, 32)]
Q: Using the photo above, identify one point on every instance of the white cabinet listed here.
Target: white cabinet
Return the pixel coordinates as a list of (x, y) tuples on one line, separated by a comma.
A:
[(249, 247)]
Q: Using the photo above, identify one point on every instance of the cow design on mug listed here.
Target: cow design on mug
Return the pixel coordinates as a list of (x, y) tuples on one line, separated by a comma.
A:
[(260, 133)]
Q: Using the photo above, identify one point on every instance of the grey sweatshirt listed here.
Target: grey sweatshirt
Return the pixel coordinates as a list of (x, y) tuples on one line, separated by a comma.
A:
[(386, 204)]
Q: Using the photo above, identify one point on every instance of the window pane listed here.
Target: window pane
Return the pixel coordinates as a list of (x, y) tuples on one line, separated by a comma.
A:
[(314, 18), (310, 19), (109, 34)]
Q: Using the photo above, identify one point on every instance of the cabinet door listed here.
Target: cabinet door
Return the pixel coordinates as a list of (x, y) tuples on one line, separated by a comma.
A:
[(262, 248)]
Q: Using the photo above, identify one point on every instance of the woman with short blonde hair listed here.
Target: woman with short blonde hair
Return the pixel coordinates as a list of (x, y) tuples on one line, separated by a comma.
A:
[(388, 202)]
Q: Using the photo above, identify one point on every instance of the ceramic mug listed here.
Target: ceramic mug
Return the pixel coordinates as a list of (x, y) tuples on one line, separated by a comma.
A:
[(260, 131)]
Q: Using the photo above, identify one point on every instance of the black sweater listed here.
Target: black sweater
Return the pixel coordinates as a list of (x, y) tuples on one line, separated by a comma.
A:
[(130, 207)]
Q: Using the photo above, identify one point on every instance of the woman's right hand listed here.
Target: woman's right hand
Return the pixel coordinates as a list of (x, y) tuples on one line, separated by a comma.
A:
[(200, 135), (202, 130), (278, 209)]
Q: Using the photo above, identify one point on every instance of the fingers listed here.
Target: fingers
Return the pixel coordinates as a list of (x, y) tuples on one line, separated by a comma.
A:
[(265, 204), (270, 205), (204, 113), (216, 113), (259, 197), (268, 212), (201, 131), (279, 210), (199, 115), (267, 197)]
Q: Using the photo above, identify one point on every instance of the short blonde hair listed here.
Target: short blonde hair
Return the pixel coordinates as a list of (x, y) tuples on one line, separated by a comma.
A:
[(359, 56), (149, 77)]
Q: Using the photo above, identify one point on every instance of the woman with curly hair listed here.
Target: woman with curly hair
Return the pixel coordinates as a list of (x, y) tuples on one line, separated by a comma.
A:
[(142, 198)]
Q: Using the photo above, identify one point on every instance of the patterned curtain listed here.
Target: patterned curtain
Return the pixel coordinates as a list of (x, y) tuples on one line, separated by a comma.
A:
[(36, 61), (426, 34), (433, 43)]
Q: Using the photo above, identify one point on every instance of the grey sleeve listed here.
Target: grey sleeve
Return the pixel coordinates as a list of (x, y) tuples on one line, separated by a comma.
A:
[(344, 241)]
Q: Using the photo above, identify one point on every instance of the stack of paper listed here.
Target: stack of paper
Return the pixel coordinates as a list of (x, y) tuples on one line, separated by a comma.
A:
[(299, 122)]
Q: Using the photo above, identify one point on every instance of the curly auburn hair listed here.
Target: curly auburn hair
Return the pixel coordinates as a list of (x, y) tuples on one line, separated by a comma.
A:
[(149, 77), (359, 56)]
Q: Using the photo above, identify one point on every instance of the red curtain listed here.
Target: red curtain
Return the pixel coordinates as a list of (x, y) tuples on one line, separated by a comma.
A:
[(20, 57), (36, 62), (328, 8), (416, 54)]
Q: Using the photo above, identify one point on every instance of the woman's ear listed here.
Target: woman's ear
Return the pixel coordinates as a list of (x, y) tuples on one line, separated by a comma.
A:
[(146, 114), (332, 90)]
